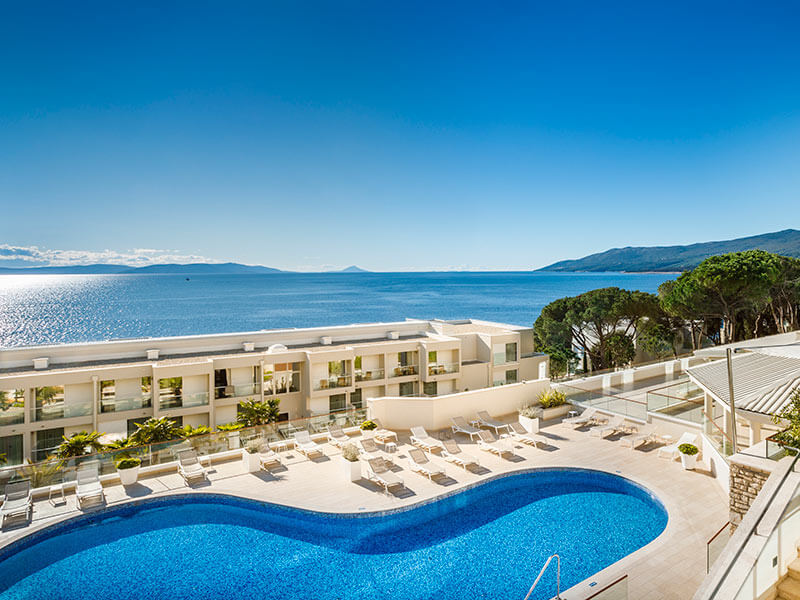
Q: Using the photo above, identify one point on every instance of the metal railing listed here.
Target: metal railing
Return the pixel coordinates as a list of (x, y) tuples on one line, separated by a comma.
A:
[(716, 544), (541, 573)]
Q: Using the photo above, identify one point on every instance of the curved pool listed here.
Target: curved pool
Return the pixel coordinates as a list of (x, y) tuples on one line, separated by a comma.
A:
[(488, 541)]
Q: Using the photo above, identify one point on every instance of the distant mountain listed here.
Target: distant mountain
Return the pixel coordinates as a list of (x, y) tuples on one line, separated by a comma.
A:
[(189, 269), (679, 258), (352, 269)]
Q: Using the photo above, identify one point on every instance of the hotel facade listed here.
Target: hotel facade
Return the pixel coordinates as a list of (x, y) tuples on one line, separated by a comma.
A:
[(47, 392)]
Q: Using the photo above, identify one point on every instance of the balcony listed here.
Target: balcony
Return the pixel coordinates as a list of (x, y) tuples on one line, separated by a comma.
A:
[(237, 391), (443, 368), (199, 399), (115, 404), (404, 370), (62, 410), (13, 415), (333, 382), (370, 375)]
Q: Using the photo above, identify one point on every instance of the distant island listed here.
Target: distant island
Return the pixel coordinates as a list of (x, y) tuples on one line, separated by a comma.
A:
[(676, 259), (175, 269)]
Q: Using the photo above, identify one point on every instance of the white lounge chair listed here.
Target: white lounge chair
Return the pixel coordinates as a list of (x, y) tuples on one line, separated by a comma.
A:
[(645, 436), (615, 425), (305, 445), (336, 436), (486, 441), (88, 485), (460, 425), (378, 471), (189, 467), (421, 439), (519, 433), (382, 434), (18, 500), (590, 416), (452, 453), (267, 456), (672, 451), (370, 450), (420, 463), (486, 420)]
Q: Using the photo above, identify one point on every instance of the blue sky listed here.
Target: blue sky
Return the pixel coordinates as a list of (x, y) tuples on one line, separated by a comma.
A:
[(395, 136)]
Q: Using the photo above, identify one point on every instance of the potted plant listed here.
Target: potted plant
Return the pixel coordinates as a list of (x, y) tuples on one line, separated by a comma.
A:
[(233, 434), (250, 458), (128, 469), (352, 466), (688, 456), (367, 428), (529, 418), (554, 404)]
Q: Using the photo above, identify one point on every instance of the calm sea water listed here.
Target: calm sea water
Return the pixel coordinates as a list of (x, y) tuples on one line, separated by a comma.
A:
[(50, 309)]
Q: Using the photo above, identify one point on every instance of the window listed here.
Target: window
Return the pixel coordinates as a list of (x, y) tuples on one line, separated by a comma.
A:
[(12, 407), (49, 402), (170, 392), (355, 399), (281, 378), (407, 388), (511, 376), (430, 388), (357, 362), (337, 367), (107, 391), (432, 357), (511, 352), (11, 446), (283, 417), (47, 441), (405, 359), (337, 402), (147, 386)]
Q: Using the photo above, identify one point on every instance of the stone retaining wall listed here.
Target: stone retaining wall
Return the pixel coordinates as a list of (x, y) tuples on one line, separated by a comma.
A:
[(748, 476)]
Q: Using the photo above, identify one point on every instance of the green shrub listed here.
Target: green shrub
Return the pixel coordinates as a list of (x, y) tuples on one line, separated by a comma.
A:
[(253, 446), (531, 412), (368, 425), (551, 398), (350, 452), (127, 463), (688, 449), (230, 426)]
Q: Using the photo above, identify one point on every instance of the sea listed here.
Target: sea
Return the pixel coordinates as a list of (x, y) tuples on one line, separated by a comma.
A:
[(57, 309)]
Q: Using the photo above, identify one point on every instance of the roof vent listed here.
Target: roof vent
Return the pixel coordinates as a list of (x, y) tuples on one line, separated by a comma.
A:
[(393, 335), (249, 346), (41, 363), (277, 348), (326, 340), (152, 355)]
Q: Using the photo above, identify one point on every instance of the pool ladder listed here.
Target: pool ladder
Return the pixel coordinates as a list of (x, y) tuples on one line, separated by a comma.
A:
[(558, 576)]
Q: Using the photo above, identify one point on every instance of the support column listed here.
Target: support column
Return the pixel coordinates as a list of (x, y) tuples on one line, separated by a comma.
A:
[(755, 433), (96, 400), (212, 401), (708, 407)]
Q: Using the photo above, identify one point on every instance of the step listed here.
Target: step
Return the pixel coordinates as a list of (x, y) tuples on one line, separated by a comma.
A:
[(789, 589), (794, 569)]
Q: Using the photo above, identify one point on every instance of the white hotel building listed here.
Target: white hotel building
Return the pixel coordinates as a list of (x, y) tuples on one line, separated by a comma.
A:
[(47, 392)]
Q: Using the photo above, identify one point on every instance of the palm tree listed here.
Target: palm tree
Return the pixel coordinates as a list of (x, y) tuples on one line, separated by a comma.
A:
[(256, 412), (78, 443), (154, 431)]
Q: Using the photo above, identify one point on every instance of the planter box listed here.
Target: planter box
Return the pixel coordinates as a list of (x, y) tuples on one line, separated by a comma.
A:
[(556, 411), (234, 441), (252, 462), (129, 476), (689, 461), (352, 470), (531, 425)]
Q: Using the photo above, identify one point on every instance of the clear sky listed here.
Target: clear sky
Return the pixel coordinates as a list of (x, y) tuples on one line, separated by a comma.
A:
[(394, 136)]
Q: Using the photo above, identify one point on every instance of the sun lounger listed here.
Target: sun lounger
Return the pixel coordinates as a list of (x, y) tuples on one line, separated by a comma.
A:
[(267, 456), (382, 434), (305, 445), (486, 441), (88, 485), (645, 436), (452, 453), (379, 472), (486, 420), (420, 463), (421, 439), (615, 425), (189, 466), (460, 425), (18, 501), (672, 451), (370, 450), (588, 417), (336, 436), (519, 433)]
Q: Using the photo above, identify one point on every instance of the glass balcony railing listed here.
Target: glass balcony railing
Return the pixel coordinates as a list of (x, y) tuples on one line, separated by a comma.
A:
[(272, 388), (443, 368), (199, 399), (333, 382), (237, 391), (404, 370), (369, 374), (117, 404), (62, 410), (170, 401), (13, 415)]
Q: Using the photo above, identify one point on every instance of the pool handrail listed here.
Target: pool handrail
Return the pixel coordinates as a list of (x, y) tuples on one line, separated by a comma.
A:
[(558, 576)]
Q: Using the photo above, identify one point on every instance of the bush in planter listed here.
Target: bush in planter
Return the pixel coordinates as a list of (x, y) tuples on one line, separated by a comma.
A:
[(688, 449), (368, 425), (551, 398), (350, 452), (530, 412), (127, 463), (253, 446), (230, 427)]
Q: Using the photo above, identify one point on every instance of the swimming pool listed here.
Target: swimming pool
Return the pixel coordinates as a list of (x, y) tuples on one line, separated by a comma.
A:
[(488, 541)]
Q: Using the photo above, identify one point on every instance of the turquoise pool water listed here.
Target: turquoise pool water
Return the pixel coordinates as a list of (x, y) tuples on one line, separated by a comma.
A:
[(485, 542)]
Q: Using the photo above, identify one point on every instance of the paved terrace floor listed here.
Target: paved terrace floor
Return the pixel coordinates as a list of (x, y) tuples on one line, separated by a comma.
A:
[(669, 568)]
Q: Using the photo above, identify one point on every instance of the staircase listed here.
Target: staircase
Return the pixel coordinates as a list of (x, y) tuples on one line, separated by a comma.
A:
[(789, 586)]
